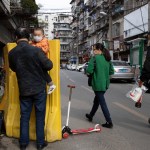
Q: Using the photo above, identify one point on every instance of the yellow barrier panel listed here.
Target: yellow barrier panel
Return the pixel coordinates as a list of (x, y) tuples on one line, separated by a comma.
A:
[(53, 107), (5, 97)]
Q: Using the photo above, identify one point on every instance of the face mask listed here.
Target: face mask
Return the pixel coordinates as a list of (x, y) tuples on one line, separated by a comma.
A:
[(37, 38)]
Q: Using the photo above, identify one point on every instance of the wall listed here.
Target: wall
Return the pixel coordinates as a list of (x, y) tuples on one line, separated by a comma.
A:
[(135, 19)]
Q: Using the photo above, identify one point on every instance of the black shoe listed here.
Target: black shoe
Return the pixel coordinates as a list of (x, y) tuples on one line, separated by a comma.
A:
[(23, 147), (108, 125), (88, 116), (40, 147)]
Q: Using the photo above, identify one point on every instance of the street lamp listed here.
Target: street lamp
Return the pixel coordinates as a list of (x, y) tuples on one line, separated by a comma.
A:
[(103, 13), (110, 30)]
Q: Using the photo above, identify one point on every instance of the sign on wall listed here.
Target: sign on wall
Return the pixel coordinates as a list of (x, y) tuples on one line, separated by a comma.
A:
[(136, 22)]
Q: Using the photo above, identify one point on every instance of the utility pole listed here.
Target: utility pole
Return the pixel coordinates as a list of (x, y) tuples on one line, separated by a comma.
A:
[(110, 29)]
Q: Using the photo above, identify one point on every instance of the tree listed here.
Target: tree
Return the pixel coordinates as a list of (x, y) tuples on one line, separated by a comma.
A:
[(29, 6)]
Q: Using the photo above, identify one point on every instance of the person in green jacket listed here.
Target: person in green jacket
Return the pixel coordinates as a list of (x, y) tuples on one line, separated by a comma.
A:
[(101, 68)]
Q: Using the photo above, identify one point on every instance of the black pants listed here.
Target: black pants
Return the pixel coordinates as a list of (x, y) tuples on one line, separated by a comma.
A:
[(100, 100), (48, 77)]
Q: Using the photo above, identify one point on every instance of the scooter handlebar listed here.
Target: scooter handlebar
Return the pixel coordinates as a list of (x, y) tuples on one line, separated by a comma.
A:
[(71, 86)]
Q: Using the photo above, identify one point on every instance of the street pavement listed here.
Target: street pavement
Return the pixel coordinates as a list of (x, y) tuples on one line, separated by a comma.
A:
[(131, 130)]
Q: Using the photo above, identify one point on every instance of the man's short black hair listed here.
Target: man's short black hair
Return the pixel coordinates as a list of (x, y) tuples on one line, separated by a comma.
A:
[(39, 29), (22, 33)]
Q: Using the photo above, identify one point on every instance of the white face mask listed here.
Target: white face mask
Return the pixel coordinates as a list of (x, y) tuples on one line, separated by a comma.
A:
[(37, 38)]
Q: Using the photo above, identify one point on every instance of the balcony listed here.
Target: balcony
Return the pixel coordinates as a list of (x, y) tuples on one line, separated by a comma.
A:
[(99, 3), (64, 35), (74, 25), (42, 21), (91, 29), (82, 7), (86, 28), (63, 29), (15, 6), (87, 3), (118, 9), (78, 2), (81, 16), (81, 37), (64, 43), (94, 3), (74, 34), (81, 26)]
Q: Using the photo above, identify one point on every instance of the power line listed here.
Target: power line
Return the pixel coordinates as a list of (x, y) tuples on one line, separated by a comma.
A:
[(133, 25), (142, 19)]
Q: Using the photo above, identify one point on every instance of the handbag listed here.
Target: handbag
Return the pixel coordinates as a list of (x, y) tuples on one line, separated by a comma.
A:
[(90, 77)]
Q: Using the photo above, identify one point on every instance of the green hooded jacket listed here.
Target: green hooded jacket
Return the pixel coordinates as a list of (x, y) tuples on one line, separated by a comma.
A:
[(101, 70)]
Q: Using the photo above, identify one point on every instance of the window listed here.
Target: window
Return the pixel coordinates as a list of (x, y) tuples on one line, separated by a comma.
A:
[(116, 30), (46, 18), (55, 18), (46, 27)]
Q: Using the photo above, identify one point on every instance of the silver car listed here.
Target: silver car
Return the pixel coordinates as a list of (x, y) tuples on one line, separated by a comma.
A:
[(123, 71)]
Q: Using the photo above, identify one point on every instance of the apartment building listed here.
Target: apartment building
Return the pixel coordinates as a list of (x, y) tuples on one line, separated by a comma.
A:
[(63, 32), (12, 16), (90, 25), (46, 21)]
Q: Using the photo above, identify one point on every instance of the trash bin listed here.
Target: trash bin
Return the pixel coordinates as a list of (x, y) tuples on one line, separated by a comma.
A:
[(53, 108)]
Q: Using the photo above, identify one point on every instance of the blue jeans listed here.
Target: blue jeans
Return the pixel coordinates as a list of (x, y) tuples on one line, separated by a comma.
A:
[(26, 105), (100, 100)]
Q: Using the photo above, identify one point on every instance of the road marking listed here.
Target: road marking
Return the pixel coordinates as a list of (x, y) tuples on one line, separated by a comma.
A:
[(65, 74), (131, 111), (72, 80), (87, 88)]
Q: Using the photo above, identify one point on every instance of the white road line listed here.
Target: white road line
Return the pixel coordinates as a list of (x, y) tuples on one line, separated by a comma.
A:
[(65, 74), (131, 111), (87, 88), (72, 80)]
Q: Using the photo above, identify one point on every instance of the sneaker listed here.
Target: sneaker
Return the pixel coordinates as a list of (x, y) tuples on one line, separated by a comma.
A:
[(108, 125), (88, 116), (51, 89), (23, 147), (40, 147)]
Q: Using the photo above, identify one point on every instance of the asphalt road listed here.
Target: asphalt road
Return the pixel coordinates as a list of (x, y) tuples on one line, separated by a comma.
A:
[(131, 129)]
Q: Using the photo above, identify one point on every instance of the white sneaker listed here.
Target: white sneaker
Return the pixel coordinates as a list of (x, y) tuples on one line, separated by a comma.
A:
[(51, 89)]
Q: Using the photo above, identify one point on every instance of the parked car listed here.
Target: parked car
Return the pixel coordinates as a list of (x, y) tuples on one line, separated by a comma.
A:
[(80, 67), (85, 67), (123, 71), (69, 66), (73, 67)]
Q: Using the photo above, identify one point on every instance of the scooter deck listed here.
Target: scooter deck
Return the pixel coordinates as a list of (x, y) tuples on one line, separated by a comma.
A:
[(80, 131)]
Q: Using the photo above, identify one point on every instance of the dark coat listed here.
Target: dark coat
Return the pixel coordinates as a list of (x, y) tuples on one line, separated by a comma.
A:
[(30, 64), (145, 75)]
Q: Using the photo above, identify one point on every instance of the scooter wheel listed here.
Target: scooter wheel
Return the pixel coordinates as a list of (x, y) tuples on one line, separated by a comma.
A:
[(149, 120), (65, 135), (97, 126)]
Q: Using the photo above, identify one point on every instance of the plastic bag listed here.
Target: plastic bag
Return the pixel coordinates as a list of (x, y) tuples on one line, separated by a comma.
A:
[(136, 95)]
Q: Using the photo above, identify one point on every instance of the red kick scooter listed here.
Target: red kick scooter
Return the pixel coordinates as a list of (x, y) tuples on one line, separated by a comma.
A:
[(66, 131)]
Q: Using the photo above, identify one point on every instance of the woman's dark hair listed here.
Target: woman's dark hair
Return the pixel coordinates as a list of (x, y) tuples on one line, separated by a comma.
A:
[(100, 46), (22, 33)]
